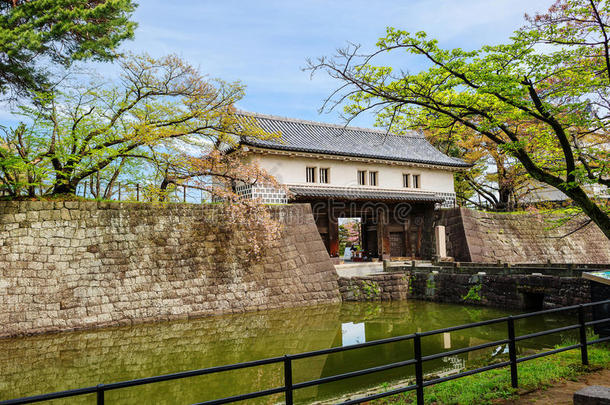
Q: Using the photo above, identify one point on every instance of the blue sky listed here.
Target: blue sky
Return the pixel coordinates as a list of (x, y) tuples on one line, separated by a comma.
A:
[(265, 43)]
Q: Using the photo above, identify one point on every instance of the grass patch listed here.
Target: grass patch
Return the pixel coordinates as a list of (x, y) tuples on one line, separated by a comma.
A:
[(492, 385)]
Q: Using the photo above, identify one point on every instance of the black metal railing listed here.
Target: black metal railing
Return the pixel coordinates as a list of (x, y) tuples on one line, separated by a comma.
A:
[(289, 386)]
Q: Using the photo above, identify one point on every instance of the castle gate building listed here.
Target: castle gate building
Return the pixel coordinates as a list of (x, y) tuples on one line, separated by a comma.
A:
[(392, 183)]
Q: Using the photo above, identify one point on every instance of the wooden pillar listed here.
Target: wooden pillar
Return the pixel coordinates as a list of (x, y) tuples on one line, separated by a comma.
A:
[(364, 243), (333, 233), (383, 238), (386, 244), (379, 239), (428, 233), (407, 238), (420, 229), (441, 244)]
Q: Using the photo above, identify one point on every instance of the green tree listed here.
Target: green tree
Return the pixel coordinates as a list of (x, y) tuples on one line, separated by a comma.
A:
[(36, 32), (83, 131), (19, 174), (546, 106), (496, 180)]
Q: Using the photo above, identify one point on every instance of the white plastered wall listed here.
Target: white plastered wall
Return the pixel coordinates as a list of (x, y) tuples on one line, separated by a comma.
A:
[(291, 170)]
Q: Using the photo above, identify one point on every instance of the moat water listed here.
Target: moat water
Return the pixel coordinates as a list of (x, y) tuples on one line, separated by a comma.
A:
[(40, 364)]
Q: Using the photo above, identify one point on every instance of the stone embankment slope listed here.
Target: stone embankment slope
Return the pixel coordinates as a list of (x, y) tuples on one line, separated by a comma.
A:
[(76, 265), (483, 237)]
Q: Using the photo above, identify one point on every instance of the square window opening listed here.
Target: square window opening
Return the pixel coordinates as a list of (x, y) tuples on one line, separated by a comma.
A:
[(325, 175), (373, 178), (310, 174), (416, 181), (361, 177)]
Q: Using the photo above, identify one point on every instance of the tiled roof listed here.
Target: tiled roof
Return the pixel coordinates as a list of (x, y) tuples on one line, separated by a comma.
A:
[(355, 193), (316, 137)]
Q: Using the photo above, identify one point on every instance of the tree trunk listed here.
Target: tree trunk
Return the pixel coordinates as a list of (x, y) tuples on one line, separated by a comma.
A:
[(592, 210), (31, 185), (163, 188), (505, 187), (64, 187), (504, 192)]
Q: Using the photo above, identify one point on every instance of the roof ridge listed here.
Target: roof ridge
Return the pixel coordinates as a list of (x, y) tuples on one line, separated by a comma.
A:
[(324, 124)]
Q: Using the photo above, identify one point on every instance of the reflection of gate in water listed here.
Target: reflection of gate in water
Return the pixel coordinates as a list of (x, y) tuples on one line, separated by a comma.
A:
[(388, 357)]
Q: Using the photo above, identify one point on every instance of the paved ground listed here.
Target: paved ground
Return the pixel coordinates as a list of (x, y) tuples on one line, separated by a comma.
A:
[(358, 269), (355, 269), (561, 393)]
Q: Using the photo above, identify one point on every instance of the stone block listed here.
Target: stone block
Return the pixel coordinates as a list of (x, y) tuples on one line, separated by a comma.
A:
[(592, 395), (99, 265)]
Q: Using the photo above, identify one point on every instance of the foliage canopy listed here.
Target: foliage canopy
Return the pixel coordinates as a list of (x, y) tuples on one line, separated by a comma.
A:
[(543, 97), (33, 32)]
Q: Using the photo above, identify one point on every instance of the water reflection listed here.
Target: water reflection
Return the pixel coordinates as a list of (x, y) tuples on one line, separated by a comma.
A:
[(447, 340), (40, 364), (352, 333), (453, 365)]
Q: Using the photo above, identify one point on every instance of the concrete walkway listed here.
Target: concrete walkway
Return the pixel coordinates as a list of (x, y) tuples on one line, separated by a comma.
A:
[(561, 393), (359, 269)]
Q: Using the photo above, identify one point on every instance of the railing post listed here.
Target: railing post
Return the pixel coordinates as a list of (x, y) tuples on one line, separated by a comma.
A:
[(288, 379), (419, 371), (512, 353), (584, 353), (100, 394)]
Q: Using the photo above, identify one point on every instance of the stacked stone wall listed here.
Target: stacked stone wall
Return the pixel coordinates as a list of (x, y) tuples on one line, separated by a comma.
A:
[(384, 287), (475, 236), (76, 265), (530, 292)]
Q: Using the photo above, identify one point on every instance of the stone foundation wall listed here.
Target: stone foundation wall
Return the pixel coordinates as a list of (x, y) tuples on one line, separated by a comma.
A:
[(474, 236), (385, 287), (76, 265), (522, 291)]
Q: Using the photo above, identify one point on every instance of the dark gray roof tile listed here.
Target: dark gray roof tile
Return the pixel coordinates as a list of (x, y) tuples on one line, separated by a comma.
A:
[(355, 193), (316, 137)]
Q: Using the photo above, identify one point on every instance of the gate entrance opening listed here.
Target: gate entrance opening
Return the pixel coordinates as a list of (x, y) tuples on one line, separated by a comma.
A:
[(383, 230), (350, 239)]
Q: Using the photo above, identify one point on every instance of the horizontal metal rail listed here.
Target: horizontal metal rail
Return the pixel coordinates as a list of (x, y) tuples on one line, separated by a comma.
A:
[(467, 326), (546, 332), (351, 347), (547, 353), (243, 397), (351, 374), (597, 322), (192, 373), (380, 395), (50, 396), (601, 340), (466, 373), (288, 387), (464, 350), (547, 311)]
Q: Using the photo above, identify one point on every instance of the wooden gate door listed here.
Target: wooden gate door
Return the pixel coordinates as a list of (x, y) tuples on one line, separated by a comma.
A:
[(397, 244), (371, 241)]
